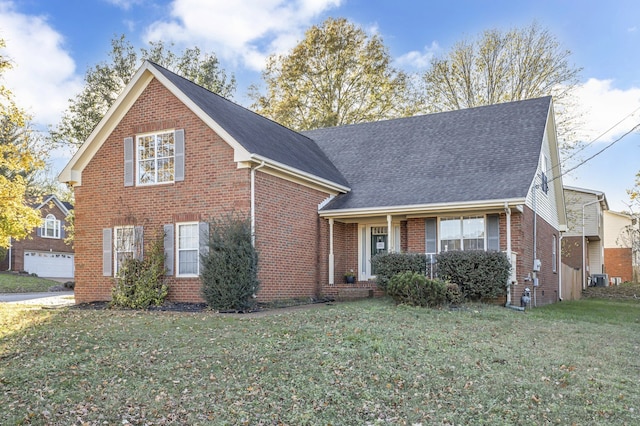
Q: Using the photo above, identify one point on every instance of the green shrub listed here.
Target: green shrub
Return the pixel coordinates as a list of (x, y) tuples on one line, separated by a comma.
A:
[(230, 269), (140, 283), (389, 264), (479, 274), (453, 294), (413, 288)]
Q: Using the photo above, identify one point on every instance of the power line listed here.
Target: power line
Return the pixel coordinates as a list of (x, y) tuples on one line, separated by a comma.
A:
[(597, 153)]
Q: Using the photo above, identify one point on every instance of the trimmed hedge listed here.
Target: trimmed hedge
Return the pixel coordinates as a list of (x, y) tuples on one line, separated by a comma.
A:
[(479, 274), (389, 264)]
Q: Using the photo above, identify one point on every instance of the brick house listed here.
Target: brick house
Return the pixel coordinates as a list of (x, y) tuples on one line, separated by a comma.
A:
[(44, 251), (618, 240), (169, 155)]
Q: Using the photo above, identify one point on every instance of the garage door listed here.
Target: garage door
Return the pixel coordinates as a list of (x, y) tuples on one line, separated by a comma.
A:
[(49, 264)]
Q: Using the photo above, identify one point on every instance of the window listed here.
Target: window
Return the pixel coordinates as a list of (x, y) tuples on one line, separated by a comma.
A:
[(462, 233), (155, 158), (554, 256), (123, 245), (50, 228), (188, 245)]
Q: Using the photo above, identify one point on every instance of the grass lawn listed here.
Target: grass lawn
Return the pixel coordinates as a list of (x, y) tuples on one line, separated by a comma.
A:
[(14, 283), (367, 362)]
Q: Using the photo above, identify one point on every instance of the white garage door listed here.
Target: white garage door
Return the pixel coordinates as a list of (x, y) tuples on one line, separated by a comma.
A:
[(49, 264)]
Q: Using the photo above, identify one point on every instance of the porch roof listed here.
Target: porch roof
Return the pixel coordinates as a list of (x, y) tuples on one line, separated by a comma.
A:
[(463, 156)]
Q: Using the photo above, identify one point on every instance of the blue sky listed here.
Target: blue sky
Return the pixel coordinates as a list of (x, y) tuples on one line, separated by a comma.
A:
[(53, 42)]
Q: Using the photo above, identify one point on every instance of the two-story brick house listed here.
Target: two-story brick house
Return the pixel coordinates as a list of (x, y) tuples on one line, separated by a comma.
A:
[(44, 252), (170, 155)]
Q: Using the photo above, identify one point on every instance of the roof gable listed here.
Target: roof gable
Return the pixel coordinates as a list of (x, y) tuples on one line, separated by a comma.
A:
[(254, 138), (484, 153)]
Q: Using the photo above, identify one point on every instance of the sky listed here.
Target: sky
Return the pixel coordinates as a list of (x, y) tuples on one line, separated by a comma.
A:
[(52, 43)]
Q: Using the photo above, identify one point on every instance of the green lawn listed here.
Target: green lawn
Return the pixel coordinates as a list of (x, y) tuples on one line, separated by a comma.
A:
[(359, 363), (14, 283)]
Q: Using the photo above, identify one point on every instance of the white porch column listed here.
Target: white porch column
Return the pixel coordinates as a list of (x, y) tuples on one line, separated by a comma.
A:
[(331, 257), (390, 237)]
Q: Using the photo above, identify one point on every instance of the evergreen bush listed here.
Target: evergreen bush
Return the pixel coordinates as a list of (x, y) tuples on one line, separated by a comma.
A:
[(387, 265), (230, 269), (414, 288), (479, 274), (140, 283)]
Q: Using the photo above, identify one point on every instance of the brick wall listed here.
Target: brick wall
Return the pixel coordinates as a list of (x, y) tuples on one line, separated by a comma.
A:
[(522, 244), (35, 243), (212, 187), (416, 235), (618, 263), (287, 238)]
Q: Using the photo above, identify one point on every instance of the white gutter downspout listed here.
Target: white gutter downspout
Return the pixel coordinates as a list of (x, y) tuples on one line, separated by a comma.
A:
[(331, 257), (507, 210), (559, 263), (253, 203)]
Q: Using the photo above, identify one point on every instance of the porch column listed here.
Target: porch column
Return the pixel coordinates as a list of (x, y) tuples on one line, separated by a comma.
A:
[(390, 236), (331, 258)]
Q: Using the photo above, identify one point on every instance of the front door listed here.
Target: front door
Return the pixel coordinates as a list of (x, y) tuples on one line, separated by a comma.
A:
[(379, 242)]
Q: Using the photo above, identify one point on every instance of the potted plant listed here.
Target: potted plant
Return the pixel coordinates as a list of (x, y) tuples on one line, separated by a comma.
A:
[(350, 277)]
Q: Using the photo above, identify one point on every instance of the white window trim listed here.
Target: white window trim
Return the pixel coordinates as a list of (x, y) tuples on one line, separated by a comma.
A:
[(177, 250), (461, 218), (50, 222), (115, 246), (364, 246), (136, 163)]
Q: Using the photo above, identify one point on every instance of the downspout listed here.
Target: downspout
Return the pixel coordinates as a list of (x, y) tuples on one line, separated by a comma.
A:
[(331, 256), (253, 203), (559, 263), (508, 215)]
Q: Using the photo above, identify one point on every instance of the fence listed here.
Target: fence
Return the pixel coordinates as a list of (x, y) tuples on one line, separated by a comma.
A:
[(571, 283)]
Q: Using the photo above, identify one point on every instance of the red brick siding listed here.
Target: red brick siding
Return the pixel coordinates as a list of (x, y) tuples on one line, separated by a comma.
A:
[(522, 225), (35, 243), (618, 263), (287, 238), (212, 187), (416, 235)]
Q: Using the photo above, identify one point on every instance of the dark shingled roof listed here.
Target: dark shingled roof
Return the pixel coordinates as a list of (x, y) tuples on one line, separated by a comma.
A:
[(484, 153), (257, 134)]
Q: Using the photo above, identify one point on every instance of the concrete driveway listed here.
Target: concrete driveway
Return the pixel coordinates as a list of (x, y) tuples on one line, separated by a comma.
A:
[(54, 298)]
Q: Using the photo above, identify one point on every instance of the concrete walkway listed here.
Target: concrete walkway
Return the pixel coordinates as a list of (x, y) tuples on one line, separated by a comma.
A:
[(54, 298)]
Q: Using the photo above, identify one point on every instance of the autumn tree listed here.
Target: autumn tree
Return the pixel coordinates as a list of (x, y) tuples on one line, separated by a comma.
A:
[(497, 67), (18, 162), (106, 80), (336, 75)]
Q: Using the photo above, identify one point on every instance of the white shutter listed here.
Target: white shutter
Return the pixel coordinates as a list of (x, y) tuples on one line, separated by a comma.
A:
[(179, 155), (128, 161)]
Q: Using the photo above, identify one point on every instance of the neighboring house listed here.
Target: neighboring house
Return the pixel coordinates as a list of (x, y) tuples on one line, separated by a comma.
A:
[(583, 243), (618, 246), (44, 252), (169, 155)]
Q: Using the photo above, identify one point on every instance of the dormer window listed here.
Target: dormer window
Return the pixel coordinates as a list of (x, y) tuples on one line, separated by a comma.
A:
[(50, 228)]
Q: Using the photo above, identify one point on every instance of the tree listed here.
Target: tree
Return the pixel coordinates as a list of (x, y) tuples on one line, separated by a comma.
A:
[(105, 81), (18, 161), (502, 67), (336, 75)]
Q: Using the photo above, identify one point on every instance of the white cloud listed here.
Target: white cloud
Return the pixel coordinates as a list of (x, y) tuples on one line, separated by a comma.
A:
[(416, 59), (604, 106), (43, 75), (243, 31)]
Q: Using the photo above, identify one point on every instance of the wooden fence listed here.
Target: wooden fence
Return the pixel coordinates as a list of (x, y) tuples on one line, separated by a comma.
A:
[(571, 283)]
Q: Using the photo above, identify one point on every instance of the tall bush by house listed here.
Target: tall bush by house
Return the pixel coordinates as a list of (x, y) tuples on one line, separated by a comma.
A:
[(140, 283), (387, 265), (479, 274), (229, 272)]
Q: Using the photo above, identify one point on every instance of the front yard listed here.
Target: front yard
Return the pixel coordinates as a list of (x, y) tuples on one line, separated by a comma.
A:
[(367, 362), (15, 283)]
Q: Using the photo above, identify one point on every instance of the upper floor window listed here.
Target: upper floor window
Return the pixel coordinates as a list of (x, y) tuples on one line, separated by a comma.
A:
[(155, 158), (50, 228)]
